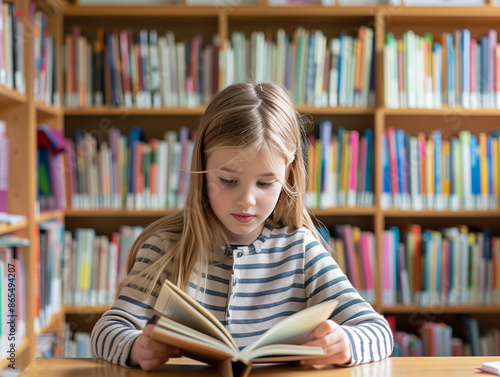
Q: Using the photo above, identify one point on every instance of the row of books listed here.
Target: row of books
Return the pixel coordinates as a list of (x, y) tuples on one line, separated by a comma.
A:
[(76, 343), (455, 266), (48, 276), (354, 251), (51, 192), (439, 339), (45, 52), (94, 264), (12, 294), (456, 70), (340, 167), (12, 40), (128, 172), (144, 69), (426, 171)]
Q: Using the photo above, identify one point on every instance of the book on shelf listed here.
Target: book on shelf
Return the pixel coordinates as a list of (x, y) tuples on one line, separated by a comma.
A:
[(4, 168), (185, 324)]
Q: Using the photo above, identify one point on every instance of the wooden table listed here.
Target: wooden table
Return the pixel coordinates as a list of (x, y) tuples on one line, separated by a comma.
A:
[(397, 366)]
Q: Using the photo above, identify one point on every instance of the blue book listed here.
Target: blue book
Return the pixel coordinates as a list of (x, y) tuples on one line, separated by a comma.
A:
[(484, 69), (135, 134), (465, 68), (450, 63), (401, 156), (437, 288), (386, 179), (475, 169)]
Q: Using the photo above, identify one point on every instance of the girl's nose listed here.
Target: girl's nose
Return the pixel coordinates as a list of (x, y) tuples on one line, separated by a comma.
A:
[(246, 198)]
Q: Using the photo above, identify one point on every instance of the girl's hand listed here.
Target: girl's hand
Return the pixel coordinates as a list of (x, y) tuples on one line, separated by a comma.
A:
[(149, 353), (334, 341)]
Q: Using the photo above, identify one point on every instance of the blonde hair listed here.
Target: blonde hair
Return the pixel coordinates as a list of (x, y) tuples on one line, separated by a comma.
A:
[(248, 117)]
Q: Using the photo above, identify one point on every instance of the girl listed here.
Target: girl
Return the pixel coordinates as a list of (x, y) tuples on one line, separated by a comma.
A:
[(244, 245)]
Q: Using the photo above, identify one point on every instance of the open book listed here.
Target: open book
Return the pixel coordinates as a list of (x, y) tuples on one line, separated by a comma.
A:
[(185, 324)]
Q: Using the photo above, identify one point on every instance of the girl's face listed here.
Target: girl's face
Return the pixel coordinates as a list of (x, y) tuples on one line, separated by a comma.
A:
[(243, 193)]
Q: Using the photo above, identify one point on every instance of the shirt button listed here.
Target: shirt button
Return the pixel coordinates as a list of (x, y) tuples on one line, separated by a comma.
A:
[(239, 254)]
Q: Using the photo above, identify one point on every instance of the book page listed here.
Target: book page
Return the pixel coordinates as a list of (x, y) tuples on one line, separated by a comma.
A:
[(192, 348), (177, 305), (294, 329), (170, 324)]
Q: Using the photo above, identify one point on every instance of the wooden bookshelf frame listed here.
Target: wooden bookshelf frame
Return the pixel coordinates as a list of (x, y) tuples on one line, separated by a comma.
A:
[(23, 113)]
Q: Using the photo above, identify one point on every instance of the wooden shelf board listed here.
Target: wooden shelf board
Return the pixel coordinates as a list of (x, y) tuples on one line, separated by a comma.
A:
[(336, 110), (11, 96), (345, 211), (6, 228), (86, 309), (354, 211), (138, 10), (459, 111), (430, 12), (117, 213), (213, 11), (50, 215), (441, 214), (124, 111), (452, 309), (45, 109), (121, 111)]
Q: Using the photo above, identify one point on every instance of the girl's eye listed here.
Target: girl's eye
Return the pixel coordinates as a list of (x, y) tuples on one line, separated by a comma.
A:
[(227, 181), (264, 184)]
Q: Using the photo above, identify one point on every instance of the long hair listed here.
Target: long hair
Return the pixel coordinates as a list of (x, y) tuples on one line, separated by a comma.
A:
[(249, 118)]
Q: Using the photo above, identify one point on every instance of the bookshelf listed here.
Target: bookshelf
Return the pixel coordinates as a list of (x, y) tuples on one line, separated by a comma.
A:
[(22, 114), (331, 20)]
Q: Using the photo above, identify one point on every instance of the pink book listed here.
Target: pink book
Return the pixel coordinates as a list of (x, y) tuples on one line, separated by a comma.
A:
[(125, 53), (350, 256), (353, 180), (473, 84), (367, 265), (3, 77), (388, 293)]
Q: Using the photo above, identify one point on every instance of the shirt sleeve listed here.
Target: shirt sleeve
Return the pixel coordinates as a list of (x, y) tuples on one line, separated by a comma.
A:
[(115, 332), (369, 332)]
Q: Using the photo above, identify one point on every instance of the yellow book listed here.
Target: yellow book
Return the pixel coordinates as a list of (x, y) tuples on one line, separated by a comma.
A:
[(356, 236), (483, 163), (340, 254)]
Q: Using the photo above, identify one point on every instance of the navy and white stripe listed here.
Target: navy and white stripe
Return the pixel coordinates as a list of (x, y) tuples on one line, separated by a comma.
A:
[(282, 272)]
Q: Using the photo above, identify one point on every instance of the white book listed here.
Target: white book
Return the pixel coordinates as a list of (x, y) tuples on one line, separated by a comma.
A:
[(154, 69)]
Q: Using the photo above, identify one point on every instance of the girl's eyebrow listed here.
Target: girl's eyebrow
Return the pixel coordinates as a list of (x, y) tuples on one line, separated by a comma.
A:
[(268, 174)]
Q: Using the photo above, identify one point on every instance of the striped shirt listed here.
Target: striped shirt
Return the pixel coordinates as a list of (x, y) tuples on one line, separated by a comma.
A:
[(257, 285)]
